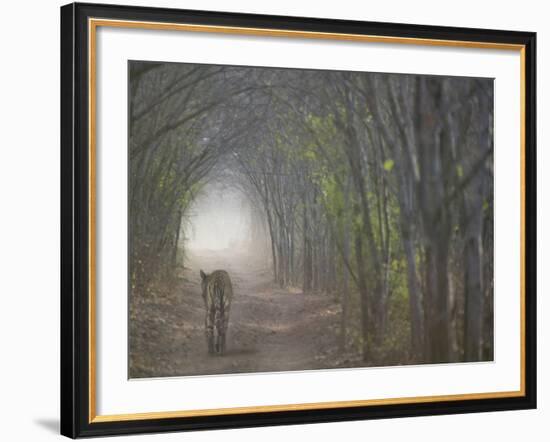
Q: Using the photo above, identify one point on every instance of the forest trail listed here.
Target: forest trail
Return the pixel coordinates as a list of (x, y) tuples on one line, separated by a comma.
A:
[(270, 329)]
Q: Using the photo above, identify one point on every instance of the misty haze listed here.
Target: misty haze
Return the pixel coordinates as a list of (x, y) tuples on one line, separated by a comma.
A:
[(288, 219)]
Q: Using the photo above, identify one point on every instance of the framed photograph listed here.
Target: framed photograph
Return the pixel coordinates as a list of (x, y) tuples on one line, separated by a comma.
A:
[(274, 220)]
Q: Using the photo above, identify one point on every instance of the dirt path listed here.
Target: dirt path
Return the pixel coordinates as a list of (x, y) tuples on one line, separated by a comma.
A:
[(269, 329)]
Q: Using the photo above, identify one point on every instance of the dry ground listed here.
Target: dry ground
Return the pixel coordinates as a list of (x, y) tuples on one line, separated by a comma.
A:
[(270, 329)]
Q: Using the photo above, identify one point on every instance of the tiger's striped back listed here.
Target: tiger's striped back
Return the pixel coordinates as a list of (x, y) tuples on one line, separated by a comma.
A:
[(217, 293)]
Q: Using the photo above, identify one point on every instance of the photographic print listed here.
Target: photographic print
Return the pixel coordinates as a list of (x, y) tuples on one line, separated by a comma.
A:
[(292, 219), (301, 215)]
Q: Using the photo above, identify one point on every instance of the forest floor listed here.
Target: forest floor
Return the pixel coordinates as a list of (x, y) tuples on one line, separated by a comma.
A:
[(270, 329)]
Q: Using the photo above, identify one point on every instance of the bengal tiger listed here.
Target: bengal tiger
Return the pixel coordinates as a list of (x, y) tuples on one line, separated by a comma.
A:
[(217, 292)]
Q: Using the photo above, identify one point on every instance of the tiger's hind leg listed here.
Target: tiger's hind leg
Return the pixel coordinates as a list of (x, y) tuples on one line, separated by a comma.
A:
[(209, 327), (219, 340), (218, 330), (222, 343), (223, 331)]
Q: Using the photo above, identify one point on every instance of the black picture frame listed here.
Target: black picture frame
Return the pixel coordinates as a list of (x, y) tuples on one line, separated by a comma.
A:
[(75, 221)]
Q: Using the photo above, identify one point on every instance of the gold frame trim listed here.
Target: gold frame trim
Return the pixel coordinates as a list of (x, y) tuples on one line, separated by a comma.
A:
[(93, 24)]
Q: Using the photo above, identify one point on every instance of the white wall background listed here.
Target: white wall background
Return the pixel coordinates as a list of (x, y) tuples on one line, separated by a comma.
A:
[(29, 221)]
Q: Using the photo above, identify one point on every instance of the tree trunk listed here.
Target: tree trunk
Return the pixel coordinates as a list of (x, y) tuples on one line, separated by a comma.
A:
[(308, 271), (473, 290), (176, 240), (415, 301), (363, 293)]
